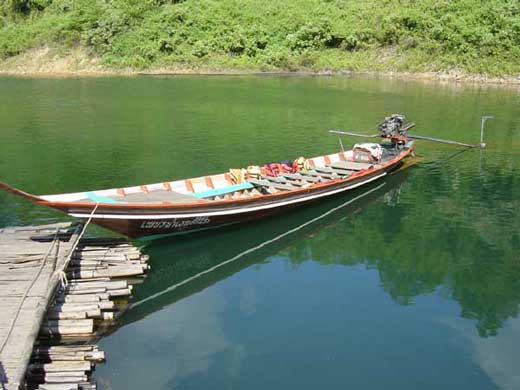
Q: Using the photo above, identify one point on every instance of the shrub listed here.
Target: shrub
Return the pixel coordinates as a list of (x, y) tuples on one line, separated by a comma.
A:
[(468, 34)]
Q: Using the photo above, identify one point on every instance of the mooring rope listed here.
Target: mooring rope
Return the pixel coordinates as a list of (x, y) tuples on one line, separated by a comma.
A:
[(263, 244), (26, 292), (63, 276)]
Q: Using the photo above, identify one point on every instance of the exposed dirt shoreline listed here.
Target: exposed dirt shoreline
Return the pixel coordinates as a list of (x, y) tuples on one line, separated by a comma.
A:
[(45, 62)]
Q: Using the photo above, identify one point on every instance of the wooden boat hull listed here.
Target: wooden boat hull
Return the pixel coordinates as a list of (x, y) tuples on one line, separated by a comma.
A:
[(154, 220), (149, 224)]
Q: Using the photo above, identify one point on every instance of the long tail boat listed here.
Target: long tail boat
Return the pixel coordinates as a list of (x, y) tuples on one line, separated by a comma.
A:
[(180, 206)]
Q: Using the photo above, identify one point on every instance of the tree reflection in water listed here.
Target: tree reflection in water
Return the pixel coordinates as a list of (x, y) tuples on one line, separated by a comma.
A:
[(436, 232)]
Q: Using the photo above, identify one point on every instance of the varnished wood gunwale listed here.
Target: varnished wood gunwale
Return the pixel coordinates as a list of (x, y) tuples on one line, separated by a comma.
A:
[(224, 202)]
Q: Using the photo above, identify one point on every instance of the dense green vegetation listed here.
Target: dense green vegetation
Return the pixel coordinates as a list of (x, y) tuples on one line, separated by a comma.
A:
[(426, 35)]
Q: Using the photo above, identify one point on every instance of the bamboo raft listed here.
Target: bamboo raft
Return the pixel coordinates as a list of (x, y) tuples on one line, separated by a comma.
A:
[(29, 273), (94, 297), (79, 290)]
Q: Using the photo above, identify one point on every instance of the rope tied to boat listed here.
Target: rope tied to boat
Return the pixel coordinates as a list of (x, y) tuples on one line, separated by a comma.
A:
[(63, 276)]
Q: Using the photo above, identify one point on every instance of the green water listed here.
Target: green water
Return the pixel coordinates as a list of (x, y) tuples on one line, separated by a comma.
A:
[(414, 285)]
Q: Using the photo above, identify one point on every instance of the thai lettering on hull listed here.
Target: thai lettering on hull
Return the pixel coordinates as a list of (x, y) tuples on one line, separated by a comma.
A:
[(175, 223)]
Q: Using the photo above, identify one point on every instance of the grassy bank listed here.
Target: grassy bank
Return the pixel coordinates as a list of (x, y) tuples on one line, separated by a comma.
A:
[(467, 36)]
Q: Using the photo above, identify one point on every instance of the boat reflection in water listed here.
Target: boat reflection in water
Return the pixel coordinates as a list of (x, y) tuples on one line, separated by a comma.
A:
[(195, 262), (418, 240)]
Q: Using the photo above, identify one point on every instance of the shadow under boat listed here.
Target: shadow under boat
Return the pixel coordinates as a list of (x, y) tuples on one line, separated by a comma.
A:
[(195, 262)]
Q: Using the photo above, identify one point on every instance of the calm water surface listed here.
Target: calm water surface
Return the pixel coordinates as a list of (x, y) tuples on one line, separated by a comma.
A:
[(414, 285)]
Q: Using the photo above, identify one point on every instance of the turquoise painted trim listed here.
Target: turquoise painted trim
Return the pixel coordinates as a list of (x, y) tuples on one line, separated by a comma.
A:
[(222, 191), (408, 144), (101, 199)]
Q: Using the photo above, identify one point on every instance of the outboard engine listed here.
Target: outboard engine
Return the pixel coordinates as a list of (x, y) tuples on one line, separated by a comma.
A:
[(392, 126)]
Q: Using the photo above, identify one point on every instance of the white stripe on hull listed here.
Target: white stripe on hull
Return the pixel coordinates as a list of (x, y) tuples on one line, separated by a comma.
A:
[(227, 212)]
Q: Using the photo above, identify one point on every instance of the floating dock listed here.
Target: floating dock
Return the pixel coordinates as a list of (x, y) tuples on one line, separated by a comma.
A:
[(58, 292), (29, 273)]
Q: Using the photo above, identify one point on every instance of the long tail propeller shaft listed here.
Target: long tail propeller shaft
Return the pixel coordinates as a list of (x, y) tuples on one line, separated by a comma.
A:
[(395, 125), (443, 141), (341, 132), (421, 137)]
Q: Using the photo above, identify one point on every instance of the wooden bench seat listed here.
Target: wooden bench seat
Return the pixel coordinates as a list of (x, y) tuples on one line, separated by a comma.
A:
[(303, 177), (325, 176), (351, 165), (271, 184), (282, 180), (337, 171)]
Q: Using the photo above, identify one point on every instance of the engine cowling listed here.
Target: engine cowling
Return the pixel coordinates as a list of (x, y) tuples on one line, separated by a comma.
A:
[(392, 126)]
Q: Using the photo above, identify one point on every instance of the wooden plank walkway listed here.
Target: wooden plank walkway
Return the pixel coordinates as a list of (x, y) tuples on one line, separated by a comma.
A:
[(29, 273)]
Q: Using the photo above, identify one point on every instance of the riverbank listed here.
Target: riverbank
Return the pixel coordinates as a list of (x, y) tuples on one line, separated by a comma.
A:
[(462, 41), (79, 62)]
